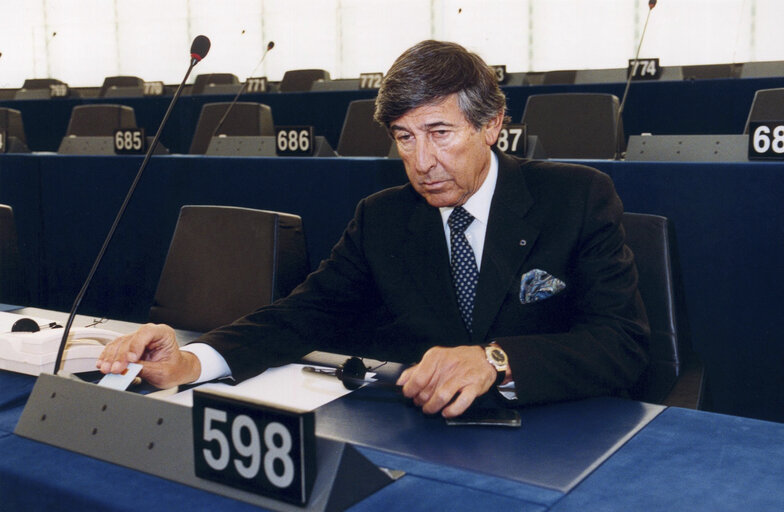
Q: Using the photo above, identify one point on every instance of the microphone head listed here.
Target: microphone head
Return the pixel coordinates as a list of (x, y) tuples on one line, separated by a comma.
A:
[(651, 4), (270, 45), (200, 47)]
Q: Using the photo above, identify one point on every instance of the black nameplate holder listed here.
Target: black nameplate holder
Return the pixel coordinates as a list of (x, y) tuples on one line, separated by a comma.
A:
[(512, 140), (294, 140), (370, 80), (254, 447), (644, 69), (500, 73), (129, 141), (257, 84), (157, 437), (766, 140), (58, 91)]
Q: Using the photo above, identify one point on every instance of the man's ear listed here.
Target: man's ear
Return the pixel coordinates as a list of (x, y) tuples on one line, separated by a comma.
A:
[(493, 128)]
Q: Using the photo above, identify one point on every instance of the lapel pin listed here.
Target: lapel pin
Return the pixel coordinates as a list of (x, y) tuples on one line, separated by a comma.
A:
[(522, 243)]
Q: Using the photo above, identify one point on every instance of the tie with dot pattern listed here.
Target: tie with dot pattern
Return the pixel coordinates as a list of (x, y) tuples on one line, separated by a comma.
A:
[(464, 271)]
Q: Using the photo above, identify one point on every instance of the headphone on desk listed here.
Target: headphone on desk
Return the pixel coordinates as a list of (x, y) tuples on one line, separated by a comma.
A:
[(30, 325)]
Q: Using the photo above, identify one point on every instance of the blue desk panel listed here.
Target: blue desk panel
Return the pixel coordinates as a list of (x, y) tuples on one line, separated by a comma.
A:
[(556, 447), (690, 460)]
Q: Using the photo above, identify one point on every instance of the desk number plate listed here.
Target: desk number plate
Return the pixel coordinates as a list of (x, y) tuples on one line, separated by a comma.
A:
[(253, 447), (512, 139), (294, 140), (129, 141), (370, 80), (766, 140), (644, 69)]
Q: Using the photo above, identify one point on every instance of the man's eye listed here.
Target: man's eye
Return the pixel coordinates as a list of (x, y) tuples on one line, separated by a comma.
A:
[(403, 137)]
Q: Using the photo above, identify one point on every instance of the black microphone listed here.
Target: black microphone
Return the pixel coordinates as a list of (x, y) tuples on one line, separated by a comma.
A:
[(352, 374), (619, 142), (199, 49), (270, 46)]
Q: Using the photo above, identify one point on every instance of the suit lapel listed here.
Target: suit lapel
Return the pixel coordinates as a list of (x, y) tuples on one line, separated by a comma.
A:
[(425, 253), (508, 242)]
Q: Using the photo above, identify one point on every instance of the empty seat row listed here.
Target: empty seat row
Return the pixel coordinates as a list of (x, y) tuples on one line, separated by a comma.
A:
[(91, 128), (132, 86), (301, 80), (568, 125)]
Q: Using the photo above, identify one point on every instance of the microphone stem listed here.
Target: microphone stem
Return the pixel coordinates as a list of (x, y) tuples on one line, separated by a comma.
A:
[(150, 150), (619, 143), (237, 96)]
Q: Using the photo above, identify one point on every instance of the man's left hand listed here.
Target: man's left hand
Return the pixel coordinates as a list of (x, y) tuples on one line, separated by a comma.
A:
[(448, 379)]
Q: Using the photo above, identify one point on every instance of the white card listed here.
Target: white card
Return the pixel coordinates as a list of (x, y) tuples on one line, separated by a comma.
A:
[(122, 380)]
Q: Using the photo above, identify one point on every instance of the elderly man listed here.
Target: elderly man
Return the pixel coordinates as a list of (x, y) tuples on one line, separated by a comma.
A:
[(485, 272)]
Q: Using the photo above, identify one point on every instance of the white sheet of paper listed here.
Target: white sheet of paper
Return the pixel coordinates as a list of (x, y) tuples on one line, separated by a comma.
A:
[(286, 386)]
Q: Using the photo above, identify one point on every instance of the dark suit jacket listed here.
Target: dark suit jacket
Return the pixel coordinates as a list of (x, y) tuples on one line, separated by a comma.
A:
[(386, 291)]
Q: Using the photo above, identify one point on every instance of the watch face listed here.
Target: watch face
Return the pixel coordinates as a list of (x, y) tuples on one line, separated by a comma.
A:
[(498, 356)]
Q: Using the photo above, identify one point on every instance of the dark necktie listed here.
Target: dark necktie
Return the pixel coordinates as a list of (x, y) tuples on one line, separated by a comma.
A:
[(464, 270)]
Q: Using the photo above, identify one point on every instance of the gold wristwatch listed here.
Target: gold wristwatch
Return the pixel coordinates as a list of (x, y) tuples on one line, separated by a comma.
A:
[(497, 357)]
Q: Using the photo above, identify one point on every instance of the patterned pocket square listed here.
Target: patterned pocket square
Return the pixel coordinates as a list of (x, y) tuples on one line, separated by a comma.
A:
[(536, 285)]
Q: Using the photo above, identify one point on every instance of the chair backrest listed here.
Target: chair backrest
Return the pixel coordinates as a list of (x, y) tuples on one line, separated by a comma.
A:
[(38, 88), (245, 118), (560, 76), (13, 285), (600, 76), (123, 85), (100, 120), (709, 71), (224, 262), (767, 105), (361, 135), (762, 69), (300, 80), (651, 239), (575, 125), (203, 82), (11, 123)]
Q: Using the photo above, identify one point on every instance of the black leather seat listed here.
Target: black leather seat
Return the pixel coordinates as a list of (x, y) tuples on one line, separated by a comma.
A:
[(13, 285), (121, 86), (767, 105), (39, 88), (710, 71), (224, 262), (215, 83), (674, 375), (11, 123), (100, 120), (246, 118), (301, 80), (361, 134), (575, 125)]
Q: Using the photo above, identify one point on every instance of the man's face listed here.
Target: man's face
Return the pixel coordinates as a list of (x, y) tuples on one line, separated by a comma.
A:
[(446, 158)]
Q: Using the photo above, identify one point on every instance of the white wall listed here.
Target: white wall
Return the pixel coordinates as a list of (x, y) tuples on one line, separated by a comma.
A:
[(83, 41)]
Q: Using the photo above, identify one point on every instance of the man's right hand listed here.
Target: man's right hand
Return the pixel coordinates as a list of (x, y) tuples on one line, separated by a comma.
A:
[(155, 347)]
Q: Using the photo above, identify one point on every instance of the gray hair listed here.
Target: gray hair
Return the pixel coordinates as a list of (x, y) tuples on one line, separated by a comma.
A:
[(432, 70)]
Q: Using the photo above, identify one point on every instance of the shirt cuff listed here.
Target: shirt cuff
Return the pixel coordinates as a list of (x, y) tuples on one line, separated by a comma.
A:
[(508, 390), (213, 365)]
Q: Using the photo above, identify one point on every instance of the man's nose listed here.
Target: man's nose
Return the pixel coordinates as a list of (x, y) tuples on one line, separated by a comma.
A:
[(425, 156)]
